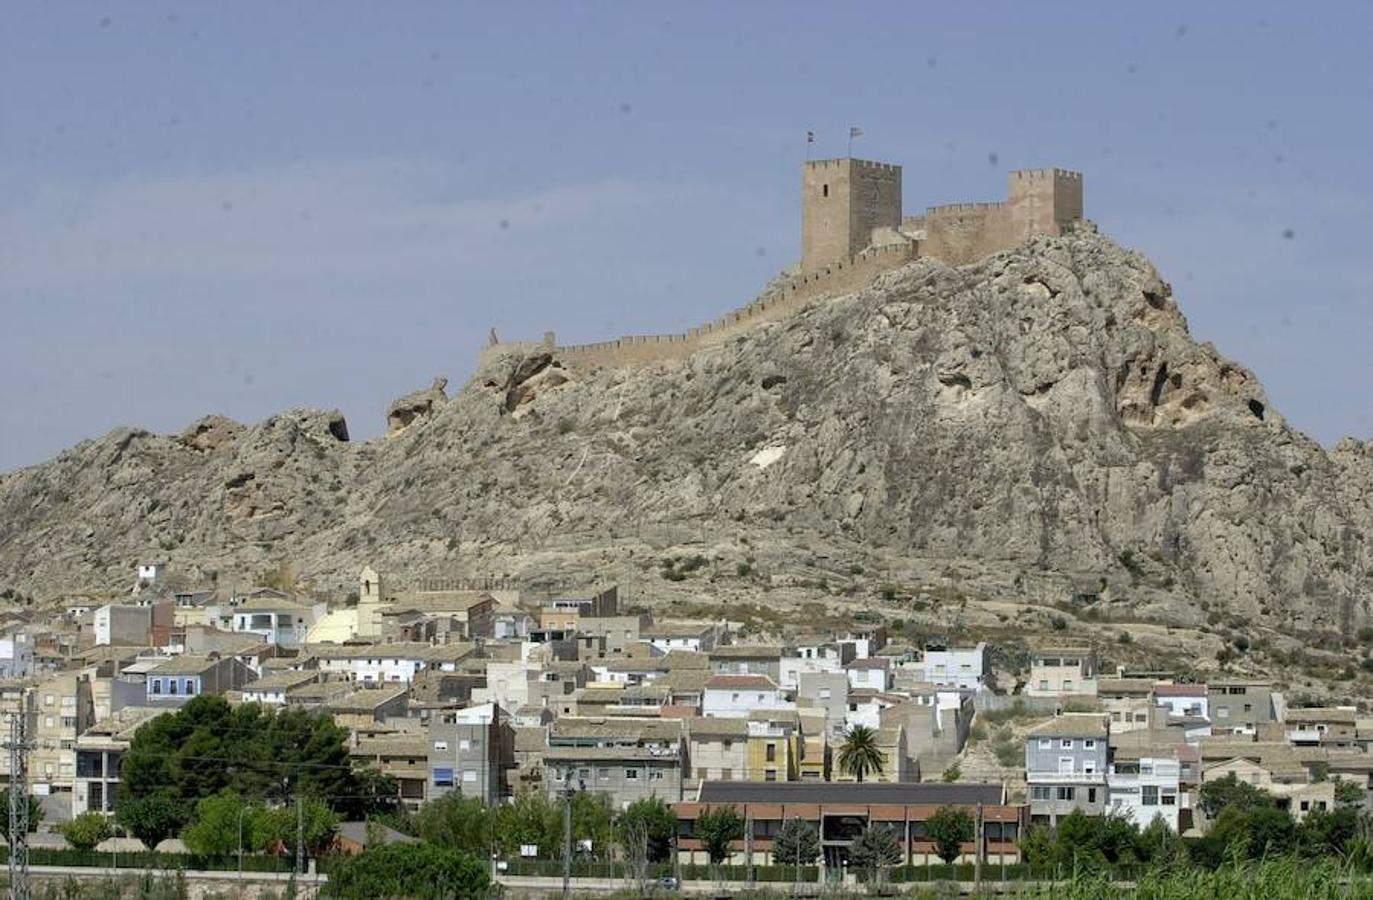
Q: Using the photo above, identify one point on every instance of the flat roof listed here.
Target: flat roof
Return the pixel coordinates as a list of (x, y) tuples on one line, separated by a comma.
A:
[(850, 793)]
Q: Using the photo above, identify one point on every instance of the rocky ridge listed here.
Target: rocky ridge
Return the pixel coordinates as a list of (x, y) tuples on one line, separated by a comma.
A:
[(1041, 418)]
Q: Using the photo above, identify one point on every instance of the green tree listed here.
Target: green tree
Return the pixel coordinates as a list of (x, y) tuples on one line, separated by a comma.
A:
[(1224, 793), (274, 828), (461, 823), (592, 821), (1253, 833), (415, 871), (216, 828), (1328, 832), (35, 813), (717, 828), (208, 747), (874, 851), (949, 828), (859, 755), (87, 830), (1349, 793), (647, 826), (530, 819), (797, 844), (150, 819)]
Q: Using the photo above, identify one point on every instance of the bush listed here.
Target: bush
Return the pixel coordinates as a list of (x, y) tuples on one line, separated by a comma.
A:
[(87, 830), (420, 871)]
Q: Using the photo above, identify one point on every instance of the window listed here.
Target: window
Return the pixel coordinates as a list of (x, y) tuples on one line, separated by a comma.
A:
[(1065, 793), (469, 776), (48, 700), (824, 693), (464, 744), (190, 687), (157, 686), (1067, 684), (1067, 744), (770, 775), (1169, 799), (1149, 795), (1089, 744), (603, 773), (1222, 712), (1248, 707), (1045, 744), (772, 753), (1039, 792), (825, 191), (440, 745), (631, 774), (47, 721), (443, 777), (1091, 795), (171, 685), (655, 774), (1043, 684)]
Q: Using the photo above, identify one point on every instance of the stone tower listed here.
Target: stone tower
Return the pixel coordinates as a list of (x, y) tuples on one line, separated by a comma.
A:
[(369, 603), (1042, 201), (843, 200)]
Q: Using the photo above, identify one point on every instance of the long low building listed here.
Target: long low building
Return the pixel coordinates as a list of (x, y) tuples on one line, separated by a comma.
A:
[(841, 811)]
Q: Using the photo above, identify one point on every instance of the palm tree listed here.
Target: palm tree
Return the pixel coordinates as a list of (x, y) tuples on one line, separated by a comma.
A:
[(859, 755)]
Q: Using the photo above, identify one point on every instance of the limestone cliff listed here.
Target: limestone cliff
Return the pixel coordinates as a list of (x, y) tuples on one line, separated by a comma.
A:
[(1041, 414)]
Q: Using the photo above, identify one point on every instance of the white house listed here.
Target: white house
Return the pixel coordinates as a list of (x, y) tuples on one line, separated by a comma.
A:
[(275, 617), (16, 656), (384, 663), (150, 572), (735, 696), (793, 667), (956, 667), (870, 673), (1145, 789), (1185, 701)]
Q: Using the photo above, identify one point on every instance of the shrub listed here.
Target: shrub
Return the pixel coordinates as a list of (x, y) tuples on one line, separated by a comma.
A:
[(87, 830)]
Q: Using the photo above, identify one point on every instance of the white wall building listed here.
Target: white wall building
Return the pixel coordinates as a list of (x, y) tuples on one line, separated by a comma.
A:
[(16, 656), (735, 696), (1184, 700), (957, 667), (872, 673), (1144, 790), (791, 668)]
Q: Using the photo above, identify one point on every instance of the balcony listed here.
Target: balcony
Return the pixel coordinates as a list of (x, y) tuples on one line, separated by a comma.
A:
[(1049, 777)]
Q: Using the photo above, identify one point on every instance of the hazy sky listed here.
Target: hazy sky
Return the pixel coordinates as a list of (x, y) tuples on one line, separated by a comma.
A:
[(239, 207)]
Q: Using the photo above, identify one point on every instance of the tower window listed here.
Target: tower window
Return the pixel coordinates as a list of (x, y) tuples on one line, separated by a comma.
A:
[(825, 191)]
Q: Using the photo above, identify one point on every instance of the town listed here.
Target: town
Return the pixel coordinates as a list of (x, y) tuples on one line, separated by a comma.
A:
[(948, 752)]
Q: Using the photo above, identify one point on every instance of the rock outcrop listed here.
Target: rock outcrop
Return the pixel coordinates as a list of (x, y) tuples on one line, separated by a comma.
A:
[(418, 405), (1041, 414)]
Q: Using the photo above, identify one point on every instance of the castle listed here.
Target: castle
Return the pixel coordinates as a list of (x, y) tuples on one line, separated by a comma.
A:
[(852, 230), (849, 206)]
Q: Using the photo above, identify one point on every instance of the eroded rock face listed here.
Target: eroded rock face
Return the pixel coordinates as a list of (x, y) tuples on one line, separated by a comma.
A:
[(211, 433), (1042, 413), (418, 405)]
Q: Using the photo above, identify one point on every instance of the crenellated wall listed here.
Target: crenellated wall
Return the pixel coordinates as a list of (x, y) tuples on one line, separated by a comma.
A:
[(838, 278)]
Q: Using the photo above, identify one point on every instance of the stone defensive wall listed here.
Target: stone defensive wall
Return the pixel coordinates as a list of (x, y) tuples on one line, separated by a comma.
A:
[(839, 278)]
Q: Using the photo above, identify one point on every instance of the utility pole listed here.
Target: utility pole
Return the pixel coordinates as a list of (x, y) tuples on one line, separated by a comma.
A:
[(567, 835), (978, 829), (300, 837), (18, 745)]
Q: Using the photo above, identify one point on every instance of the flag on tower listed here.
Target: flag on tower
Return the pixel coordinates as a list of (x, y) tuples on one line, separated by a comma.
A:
[(810, 137), (855, 132)]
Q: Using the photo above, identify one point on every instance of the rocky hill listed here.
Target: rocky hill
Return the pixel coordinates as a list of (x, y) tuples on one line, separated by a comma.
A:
[(1040, 424)]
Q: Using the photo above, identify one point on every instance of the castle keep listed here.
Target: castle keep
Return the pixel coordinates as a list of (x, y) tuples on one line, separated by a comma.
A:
[(852, 230), (850, 205)]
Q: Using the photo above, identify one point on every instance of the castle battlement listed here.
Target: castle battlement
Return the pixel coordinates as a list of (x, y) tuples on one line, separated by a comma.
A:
[(947, 208), (1065, 174), (865, 164)]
